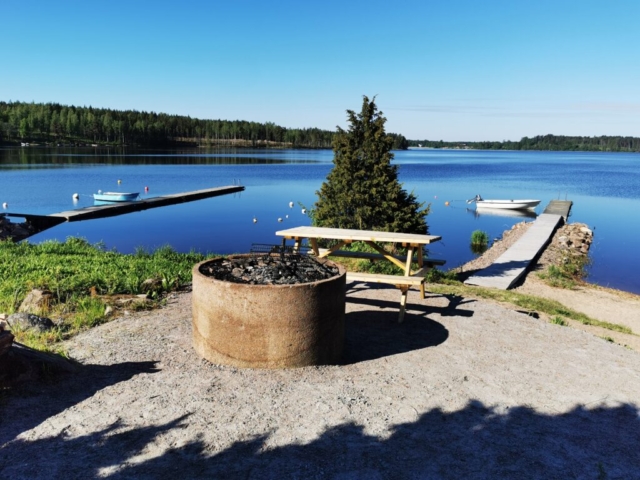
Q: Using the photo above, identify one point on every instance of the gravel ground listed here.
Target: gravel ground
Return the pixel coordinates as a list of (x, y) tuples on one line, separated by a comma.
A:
[(461, 389)]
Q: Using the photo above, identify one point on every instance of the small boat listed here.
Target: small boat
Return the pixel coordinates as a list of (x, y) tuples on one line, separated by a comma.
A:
[(115, 196), (504, 204)]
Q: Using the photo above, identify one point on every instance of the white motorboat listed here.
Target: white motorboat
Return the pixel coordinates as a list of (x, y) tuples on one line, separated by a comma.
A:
[(504, 204)]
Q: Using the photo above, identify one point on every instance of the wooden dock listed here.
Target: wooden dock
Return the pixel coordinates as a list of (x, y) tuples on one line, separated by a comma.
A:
[(120, 208), (34, 224), (559, 207), (512, 264)]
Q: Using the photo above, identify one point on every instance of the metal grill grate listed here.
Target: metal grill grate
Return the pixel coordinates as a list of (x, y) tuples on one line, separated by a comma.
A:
[(285, 252)]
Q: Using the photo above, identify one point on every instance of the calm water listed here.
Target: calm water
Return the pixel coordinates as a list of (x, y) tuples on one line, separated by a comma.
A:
[(605, 189)]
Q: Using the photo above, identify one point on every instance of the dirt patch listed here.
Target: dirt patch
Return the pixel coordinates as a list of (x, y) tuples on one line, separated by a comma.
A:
[(461, 389)]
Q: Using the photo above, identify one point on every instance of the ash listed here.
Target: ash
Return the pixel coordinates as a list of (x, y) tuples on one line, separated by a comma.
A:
[(270, 269)]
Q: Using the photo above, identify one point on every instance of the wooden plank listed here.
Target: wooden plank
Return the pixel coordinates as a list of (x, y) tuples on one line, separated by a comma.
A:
[(388, 256), (377, 256), (358, 235), (512, 264), (382, 278)]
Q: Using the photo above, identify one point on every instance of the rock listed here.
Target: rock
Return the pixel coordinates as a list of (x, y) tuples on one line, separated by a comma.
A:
[(108, 310), (36, 301), (586, 231), (27, 321), (151, 285)]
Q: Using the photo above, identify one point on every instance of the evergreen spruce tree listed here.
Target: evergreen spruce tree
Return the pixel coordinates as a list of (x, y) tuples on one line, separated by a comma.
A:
[(362, 190)]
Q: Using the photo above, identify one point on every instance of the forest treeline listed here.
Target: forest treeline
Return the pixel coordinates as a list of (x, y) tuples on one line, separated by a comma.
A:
[(53, 123), (544, 142)]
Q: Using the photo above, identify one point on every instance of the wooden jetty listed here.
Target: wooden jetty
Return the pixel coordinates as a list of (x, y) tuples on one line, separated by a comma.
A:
[(559, 207), (512, 264), (34, 224)]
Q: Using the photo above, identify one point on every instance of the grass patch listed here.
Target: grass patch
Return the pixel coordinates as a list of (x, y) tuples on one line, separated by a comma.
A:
[(558, 321), (526, 302), (78, 274), (569, 274), (478, 237)]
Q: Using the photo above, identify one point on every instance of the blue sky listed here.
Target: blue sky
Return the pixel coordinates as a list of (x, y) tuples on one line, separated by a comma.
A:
[(450, 70)]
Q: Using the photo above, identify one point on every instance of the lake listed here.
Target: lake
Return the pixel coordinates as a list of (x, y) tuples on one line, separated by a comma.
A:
[(605, 189)]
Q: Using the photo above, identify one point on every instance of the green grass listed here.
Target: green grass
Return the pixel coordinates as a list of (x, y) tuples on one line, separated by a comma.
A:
[(478, 237), (526, 302), (77, 274), (568, 274), (558, 321)]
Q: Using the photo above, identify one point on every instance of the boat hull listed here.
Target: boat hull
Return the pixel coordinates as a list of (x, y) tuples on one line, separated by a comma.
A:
[(115, 197), (507, 204)]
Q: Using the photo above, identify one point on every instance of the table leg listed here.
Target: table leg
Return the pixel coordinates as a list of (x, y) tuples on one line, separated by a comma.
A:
[(314, 246), (403, 303)]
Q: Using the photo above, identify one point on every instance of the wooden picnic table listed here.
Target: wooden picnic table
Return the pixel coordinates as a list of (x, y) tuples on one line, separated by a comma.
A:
[(414, 244)]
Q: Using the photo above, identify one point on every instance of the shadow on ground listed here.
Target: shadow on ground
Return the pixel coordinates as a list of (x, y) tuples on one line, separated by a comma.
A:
[(474, 442), (372, 335), (63, 390)]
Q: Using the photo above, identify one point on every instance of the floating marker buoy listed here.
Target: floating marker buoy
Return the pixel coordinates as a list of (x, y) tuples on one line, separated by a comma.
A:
[(119, 182), (76, 196), (290, 204), (435, 196), (446, 204), (255, 220), (304, 210), (5, 205), (280, 219), (146, 189)]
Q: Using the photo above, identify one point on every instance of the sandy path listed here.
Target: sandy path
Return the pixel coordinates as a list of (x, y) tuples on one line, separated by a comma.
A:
[(462, 389)]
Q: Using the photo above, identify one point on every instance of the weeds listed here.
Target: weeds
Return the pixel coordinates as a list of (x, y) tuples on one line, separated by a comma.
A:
[(558, 321), (571, 272)]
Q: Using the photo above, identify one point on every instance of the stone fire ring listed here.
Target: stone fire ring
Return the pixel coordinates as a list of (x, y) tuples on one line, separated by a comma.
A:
[(268, 326)]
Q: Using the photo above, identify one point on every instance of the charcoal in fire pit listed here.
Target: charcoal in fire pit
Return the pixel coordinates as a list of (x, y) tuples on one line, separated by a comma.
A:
[(271, 269)]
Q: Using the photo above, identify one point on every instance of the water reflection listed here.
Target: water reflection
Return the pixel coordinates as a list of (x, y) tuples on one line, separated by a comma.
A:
[(496, 212)]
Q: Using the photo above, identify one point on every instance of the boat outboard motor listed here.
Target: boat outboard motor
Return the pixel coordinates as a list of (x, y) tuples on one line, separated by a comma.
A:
[(477, 198)]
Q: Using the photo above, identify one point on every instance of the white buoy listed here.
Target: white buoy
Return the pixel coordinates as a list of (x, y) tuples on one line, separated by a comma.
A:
[(304, 210), (255, 220), (286, 216), (5, 205), (290, 204), (280, 219), (76, 196), (119, 181)]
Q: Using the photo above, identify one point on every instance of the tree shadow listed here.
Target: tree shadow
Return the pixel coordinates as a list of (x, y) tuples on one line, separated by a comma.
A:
[(64, 390), (473, 442)]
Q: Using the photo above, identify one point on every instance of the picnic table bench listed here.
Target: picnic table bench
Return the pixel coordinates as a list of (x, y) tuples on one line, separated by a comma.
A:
[(414, 244)]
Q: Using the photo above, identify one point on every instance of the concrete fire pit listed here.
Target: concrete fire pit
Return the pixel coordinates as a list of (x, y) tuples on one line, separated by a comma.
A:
[(268, 326)]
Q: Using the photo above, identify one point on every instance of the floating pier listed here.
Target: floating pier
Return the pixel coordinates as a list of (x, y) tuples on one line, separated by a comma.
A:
[(34, 224), (512, 264)]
